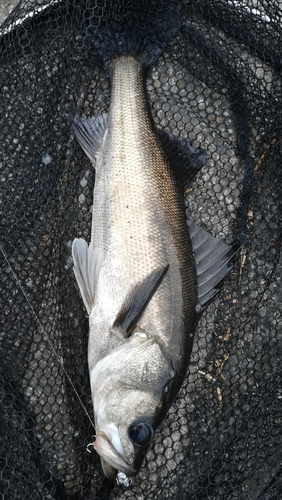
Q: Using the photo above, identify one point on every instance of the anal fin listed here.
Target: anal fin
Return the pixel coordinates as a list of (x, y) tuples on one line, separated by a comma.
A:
[(87, 264), (137, 301), (90, 133)]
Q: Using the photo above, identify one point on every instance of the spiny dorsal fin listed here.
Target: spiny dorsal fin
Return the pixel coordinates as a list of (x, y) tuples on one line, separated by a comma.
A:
[(91, 133), (137, 301), (212, 261), (87, 264)]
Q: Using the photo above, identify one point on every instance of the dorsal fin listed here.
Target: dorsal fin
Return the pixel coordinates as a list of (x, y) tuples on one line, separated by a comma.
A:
[(183, 158), (212, 261)]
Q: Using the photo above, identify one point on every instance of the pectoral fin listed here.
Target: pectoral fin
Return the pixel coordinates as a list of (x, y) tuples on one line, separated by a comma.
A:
[(138, 300), (91, 133), (87, 263), (212, 261)]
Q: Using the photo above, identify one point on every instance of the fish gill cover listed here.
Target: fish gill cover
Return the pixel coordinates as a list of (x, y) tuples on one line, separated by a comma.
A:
[(218, 85)]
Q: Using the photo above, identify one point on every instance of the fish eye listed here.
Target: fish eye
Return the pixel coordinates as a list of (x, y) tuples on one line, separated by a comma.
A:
[(140, 433)]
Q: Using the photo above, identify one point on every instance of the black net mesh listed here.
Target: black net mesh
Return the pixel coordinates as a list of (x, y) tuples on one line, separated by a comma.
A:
[(218, 83)]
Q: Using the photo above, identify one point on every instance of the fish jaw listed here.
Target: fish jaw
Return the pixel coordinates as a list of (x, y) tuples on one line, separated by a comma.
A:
[(109, 447)]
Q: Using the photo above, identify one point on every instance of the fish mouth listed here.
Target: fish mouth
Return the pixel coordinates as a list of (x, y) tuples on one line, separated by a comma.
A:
[(111, 459)]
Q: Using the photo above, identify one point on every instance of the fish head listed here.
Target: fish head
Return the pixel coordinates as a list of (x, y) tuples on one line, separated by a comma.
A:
[(128, 389), (122, 446)]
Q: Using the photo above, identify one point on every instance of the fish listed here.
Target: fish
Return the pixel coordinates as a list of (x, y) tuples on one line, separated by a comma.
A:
[(147, 271)]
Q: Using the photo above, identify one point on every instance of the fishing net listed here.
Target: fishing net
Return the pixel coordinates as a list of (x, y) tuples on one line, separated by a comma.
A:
[(217, 85)]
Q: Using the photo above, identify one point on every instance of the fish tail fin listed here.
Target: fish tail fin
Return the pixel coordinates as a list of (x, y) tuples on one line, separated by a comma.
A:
[(139, 38)]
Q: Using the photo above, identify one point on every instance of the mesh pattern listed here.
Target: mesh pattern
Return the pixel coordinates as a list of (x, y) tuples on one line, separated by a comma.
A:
[(218, 84)]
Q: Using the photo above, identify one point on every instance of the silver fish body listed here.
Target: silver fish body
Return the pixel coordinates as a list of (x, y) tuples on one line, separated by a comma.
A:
[(139, 225), (139, 228)]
